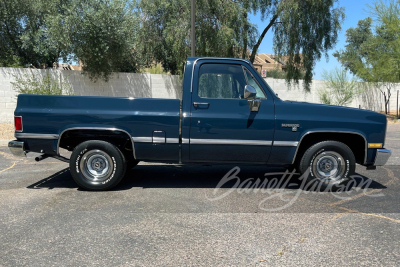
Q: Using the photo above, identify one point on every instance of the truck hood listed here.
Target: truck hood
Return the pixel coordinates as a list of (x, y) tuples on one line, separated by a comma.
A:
[(333, 110)]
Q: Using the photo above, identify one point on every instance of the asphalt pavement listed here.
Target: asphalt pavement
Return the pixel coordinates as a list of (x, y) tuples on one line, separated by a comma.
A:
[(176, 215)]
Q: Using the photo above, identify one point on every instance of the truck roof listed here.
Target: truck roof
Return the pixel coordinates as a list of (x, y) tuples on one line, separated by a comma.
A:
[(193, 59)]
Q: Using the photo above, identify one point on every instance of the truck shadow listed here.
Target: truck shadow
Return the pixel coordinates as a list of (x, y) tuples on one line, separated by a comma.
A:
[(61, 179), (192, 176)]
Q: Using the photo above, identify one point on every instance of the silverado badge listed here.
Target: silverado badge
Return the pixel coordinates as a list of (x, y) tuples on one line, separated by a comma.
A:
[(293, 126)]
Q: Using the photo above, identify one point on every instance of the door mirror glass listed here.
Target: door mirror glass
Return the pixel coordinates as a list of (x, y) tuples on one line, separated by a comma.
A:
[(249, 92)]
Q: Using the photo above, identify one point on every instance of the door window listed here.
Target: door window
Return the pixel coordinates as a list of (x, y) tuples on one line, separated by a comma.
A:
[(221, 81), (252, 81)]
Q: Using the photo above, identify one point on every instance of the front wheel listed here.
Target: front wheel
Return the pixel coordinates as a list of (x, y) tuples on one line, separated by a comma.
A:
[(97, 165), (328, 164)]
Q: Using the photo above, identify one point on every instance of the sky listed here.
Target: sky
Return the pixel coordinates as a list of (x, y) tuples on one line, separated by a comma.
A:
[(355, 10)]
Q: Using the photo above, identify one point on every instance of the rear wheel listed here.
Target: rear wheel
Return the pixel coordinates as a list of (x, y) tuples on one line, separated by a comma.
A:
[(328, 165), (97, 165)]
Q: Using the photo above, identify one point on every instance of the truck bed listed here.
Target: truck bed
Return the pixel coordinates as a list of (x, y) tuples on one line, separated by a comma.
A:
[(138, 117)]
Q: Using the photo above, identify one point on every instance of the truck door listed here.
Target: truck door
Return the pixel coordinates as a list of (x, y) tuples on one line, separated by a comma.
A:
[(223, 127)]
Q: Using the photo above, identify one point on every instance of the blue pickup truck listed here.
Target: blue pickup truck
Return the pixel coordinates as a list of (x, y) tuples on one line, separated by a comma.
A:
[(228, 115)]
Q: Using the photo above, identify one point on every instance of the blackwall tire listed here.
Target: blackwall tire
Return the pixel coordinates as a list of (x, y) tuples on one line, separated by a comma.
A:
[(97, 165), (328, 165)]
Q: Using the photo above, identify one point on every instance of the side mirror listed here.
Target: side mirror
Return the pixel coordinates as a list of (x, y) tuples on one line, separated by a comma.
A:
[(249, 92)]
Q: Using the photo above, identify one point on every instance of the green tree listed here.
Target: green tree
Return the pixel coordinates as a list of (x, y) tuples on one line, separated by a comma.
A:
[(340, 89), (99, 33), (11, 61), (373, 48), (23, 34), (303, 31), (309, 27), (165, 31)]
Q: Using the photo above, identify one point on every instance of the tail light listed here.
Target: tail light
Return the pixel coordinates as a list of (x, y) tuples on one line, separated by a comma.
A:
[(18, 123)]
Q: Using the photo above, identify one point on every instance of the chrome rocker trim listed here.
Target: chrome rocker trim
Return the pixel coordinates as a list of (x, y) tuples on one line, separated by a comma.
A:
[(36, 136)]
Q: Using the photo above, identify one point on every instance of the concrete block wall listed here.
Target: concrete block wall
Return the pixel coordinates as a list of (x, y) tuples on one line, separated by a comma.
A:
[(166, 86), (371, 99), (163, 86), (119, 85), (8, 99)]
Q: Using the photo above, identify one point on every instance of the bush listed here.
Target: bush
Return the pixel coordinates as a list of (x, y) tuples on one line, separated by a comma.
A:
[(279, 74), (41, 85), (340, 89), (156, 69)]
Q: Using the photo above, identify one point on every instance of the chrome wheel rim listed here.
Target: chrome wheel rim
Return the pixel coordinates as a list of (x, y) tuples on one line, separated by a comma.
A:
[(329, 166), (96, 166)]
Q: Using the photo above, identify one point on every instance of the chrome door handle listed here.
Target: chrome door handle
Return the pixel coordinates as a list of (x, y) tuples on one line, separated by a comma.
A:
[(197, 104)]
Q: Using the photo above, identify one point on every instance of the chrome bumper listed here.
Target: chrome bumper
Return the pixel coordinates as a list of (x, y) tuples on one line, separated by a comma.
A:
[(382, 156), (17, 148)]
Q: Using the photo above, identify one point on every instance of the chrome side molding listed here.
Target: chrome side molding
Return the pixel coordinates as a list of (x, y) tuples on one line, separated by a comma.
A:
[(172, 140), (219, 142), (230, 142), (286, 143), (151, 140), (142, 139)]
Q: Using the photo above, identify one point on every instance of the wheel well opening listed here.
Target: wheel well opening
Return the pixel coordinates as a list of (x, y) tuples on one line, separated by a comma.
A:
[(71, 138), (354, 141)]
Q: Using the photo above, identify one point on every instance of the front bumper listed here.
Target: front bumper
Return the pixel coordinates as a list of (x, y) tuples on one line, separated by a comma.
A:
[(17, 148), (382, 156)]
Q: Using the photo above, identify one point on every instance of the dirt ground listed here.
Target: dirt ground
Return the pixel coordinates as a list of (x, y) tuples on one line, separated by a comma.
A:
[(6, 131), (392, 117)]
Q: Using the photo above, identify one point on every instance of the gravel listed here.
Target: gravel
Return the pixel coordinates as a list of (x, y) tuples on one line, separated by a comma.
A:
[(6, 131)]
